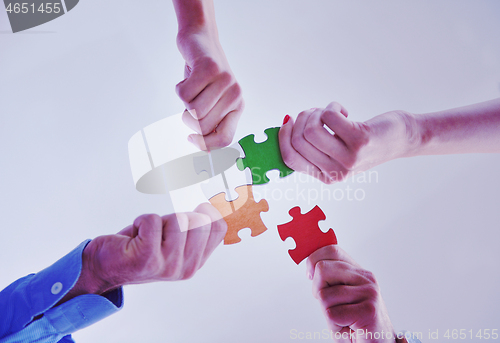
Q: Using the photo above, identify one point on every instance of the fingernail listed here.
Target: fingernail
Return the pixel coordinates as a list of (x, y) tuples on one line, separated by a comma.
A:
[(190, 139), (286, 119), (309, 276), (193, 113)]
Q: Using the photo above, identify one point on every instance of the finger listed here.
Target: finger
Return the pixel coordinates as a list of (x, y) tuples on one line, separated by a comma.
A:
[(222, 136), (196, 241), (332, 170), (338, 123), (350, 315), (192, 123), (210, 95), (335, 106), (201, 238), (330, 273), (199, 78), (292, 158), (316, 134), (344, 295), (218, 228), (149, 230), (330, 252), (128, 231), (174, 239), (230, 101)]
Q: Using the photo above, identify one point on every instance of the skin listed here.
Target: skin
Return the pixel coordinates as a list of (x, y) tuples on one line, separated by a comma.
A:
[(349, 297), (210, 92), (152, 249), (307, 146)]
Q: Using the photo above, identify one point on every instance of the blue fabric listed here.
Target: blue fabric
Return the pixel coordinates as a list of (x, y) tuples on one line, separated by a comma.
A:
[(27, 312)]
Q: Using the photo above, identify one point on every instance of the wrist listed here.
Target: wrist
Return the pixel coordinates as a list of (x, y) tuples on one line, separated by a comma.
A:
[(195, 17), (93, 280), (412, 134), (90, 281)]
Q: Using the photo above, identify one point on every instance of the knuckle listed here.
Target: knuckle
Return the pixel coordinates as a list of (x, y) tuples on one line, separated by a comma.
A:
[(189, 272), (235, 90), (327, 113), (332, 251), (370, 276), (225, 138), (174, 273), (210, 67), (151, 219), (226, 78), (309, 133), (323, 294), (241, 104), (321, 268), (371, 292), (361, 137), (335, 313), (205, 129), (369, 309), (296, 141), (182, 92)]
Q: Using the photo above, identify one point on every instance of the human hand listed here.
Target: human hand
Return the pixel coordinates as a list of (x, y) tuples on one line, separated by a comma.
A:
[(307, 146), (209, 91), (152, 249), (349, 297)]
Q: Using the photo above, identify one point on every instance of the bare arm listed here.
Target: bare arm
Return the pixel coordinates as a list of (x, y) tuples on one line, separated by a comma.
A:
[(153, 248), (209, 91), (307, 146), (470, 129)]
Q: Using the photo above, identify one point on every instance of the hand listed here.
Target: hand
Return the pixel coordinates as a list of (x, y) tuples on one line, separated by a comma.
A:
[(152, 249), (209, 91), (349, 297), (307, 146)]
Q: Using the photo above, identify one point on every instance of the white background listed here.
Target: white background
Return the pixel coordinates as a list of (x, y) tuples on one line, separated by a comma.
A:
[(73, 91)]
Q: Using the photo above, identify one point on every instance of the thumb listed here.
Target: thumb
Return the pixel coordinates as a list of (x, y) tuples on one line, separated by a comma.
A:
[(149, 229)]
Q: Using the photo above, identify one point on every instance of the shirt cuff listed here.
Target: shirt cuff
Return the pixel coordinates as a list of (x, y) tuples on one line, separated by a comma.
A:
[(58, 323), (37, 294), (50, 285), (84, 310)]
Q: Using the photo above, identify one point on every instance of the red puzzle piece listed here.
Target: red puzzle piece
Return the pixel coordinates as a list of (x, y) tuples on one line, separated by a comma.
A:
[(306, 233)]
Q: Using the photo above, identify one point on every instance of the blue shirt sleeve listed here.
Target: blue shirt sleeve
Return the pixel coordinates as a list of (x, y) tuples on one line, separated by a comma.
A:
[(27, 312)]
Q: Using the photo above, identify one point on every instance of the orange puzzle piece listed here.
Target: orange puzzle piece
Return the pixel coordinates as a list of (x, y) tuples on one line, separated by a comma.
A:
[(241, 213)]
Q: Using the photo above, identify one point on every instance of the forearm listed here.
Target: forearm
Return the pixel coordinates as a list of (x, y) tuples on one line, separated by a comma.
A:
[(470, 129), (195, 16)]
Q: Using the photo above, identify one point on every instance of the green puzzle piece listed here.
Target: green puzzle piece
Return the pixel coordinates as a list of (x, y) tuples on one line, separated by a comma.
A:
[(262, 157)]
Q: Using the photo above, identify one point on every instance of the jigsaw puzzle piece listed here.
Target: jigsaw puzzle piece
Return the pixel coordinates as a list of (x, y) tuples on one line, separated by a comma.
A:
[(215, 185), (227, 182), (242, 213), (305, 231), (222, 159), (262, 157), (236, 178)]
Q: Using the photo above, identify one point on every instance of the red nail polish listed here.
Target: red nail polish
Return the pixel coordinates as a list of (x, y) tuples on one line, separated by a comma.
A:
[(286, 119)]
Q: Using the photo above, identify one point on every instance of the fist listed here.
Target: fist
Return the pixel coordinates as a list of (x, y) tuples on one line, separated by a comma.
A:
[(349, 296)]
